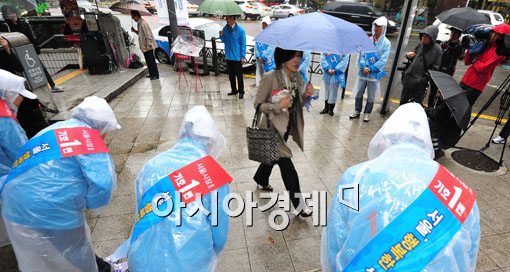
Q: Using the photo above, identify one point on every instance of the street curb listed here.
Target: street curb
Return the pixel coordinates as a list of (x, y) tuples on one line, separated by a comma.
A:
[(108, 95)]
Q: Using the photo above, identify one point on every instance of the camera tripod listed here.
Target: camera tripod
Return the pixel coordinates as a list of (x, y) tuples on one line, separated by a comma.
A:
[(503, 108)]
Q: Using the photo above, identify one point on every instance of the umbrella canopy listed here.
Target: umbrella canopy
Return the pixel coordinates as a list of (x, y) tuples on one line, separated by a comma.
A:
[(220, 7), (316, 32), (454, 97), (128, 6), (463, 18)]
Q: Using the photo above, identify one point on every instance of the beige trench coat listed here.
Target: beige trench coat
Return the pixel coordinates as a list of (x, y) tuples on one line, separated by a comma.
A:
[(145, 38), (279, 119)]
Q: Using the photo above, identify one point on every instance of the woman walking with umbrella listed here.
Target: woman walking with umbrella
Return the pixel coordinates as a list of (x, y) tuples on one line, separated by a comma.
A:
[(286, 117)]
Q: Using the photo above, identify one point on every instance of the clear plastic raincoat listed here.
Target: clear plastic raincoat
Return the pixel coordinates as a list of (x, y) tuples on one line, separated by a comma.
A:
[(195, 245), (399, 170), (43, 207)]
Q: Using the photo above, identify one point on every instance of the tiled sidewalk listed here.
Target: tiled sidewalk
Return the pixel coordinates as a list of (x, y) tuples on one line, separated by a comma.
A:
[(151, 112)]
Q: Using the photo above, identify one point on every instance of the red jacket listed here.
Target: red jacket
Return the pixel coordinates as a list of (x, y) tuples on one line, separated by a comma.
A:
[(478, 75)]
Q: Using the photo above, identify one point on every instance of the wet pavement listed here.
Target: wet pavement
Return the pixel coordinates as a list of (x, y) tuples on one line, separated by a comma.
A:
[(151, 112)]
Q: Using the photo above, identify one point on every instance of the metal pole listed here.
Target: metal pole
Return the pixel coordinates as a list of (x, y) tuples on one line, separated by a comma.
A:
[(346, 73), (172, 18), (403, 38), (215, 57)]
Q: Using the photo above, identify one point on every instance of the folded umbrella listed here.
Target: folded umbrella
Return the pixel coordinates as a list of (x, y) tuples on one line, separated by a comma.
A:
[(463, 18), (128, 6), (316, 32), (454, 97)]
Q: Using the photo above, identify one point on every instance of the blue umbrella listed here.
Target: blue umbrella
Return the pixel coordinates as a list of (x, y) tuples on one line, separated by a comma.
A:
[(317, 32)]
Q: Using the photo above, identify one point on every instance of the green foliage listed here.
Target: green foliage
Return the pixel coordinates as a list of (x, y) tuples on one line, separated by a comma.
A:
[(41, 8), (316, 4)]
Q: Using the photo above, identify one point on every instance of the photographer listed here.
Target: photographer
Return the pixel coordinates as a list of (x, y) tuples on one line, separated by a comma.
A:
[(482, 65), (425, 57), (444, 130), (453, 50), (8, 61), (29, 113), (14, 24)]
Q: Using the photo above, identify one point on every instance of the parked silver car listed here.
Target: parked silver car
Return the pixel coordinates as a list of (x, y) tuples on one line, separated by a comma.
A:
[(286, 10)]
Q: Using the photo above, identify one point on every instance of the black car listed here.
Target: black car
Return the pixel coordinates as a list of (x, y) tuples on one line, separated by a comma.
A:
[(361, 14)]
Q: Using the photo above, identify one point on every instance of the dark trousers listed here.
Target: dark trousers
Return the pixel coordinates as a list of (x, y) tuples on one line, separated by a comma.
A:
[(289, 175), (415, 93), (151, 63), (471, 93), (505, 131), (235, 70)]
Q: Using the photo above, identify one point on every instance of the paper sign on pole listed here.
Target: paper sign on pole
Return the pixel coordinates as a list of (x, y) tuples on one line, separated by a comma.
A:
[(181, 12)]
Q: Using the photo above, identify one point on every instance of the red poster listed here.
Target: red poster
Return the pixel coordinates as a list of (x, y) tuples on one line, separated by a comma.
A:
[(199, 177), (453, 193), (78, 141), (71, 12)]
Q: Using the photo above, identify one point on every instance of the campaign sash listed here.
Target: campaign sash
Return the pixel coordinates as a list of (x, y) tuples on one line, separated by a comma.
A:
[(333, 60), (421, 231), (194, 180), (5, 111), (269, 64), (371, 58), (56, 144)]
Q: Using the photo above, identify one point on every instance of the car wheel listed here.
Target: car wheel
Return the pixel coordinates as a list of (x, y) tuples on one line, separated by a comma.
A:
[(222, 64), (290, 14), (162, 56), (243, 16)]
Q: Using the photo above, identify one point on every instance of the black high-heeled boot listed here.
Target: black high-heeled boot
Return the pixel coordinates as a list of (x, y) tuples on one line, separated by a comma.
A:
[(326, 108), (331, 108)]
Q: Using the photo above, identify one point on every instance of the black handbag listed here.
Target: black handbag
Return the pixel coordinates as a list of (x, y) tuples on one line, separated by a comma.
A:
[(262, 142)]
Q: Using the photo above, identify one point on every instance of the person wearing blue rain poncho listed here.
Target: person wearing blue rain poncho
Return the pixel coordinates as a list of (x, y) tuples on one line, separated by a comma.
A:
[(333, 66), (162, 245), (60, 172), (264, 54), (304, 65), (408, 214), (12, 136), (371, 69)]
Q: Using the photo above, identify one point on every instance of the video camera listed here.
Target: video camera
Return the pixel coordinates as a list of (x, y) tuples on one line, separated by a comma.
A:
[(503, 45), (405, 64)]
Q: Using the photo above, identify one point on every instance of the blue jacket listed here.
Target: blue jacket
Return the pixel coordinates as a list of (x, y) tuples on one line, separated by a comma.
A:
[(385, 192), (383, 47), (12, 138), (54, 194), (305, 65), (341, 65), (193, 246), (235, 42)]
